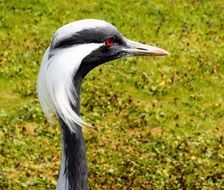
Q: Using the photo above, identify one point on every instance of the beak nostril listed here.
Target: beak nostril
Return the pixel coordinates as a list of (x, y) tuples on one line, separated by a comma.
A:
[(141, 49)]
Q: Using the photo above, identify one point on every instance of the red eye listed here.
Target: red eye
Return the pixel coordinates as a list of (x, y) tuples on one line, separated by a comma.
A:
[(109, 42)]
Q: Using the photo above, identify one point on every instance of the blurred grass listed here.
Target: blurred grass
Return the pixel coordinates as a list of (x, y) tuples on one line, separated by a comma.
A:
[(158, 121)]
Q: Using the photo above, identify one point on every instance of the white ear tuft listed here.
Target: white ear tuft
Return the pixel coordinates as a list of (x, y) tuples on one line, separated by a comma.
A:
[(55, 88)]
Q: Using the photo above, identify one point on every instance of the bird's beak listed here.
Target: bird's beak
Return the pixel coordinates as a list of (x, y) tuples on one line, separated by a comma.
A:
[(137, 49)]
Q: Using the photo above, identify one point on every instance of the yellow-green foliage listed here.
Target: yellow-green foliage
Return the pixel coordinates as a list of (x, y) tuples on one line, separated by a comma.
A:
[(158, 121)]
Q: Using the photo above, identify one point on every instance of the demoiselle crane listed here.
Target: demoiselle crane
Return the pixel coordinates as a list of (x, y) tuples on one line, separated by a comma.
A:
[(77, 48)]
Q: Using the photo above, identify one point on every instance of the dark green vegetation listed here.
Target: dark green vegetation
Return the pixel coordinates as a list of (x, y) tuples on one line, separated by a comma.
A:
[(158, 122)]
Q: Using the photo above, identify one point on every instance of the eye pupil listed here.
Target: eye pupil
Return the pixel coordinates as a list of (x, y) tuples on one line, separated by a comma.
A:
[(109, 42)]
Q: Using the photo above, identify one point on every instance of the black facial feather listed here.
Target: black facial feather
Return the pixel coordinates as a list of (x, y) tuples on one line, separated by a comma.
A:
[(96, 35), (98, 57)]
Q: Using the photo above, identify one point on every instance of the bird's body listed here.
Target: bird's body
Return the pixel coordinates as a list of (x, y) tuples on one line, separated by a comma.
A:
[(76, 49)]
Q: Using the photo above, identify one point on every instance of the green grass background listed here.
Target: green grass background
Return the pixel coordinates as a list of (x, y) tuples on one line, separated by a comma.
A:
[(158, 122)]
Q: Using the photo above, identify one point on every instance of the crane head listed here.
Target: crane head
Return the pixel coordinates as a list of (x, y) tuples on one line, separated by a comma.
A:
[(101, 41), (77, 48)]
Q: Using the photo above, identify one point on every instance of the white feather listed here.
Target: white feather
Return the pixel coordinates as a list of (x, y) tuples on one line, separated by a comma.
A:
[(55, 86)]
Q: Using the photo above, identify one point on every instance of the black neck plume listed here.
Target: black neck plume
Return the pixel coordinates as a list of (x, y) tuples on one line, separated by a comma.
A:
[(73, 174), (74, 158)]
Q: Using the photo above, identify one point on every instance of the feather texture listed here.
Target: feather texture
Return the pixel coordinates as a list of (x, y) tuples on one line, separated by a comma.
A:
[(55, 87), (72, 28)]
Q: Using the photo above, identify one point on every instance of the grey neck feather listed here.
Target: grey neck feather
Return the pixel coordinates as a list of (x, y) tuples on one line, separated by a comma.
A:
[(73, 172)]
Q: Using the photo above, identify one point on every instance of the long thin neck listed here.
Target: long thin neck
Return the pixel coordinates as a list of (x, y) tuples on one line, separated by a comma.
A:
[(73, 173)]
